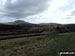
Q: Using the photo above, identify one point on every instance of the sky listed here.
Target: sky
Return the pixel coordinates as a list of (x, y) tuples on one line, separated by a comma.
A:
[(38, 11)]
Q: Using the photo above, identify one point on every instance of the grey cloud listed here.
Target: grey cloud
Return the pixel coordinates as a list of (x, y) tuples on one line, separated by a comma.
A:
[(73, 13), (24, 8)]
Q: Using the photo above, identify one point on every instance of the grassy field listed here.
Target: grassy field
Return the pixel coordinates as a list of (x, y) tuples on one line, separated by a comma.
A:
[(38, 46)]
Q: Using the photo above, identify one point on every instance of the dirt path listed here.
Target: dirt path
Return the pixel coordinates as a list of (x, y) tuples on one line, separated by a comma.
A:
[(20, 36)]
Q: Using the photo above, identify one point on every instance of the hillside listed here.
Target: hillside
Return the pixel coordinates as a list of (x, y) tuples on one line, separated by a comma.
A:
[(66, 28), (22, 27), (38, 46), (17, 27), (21, 38)]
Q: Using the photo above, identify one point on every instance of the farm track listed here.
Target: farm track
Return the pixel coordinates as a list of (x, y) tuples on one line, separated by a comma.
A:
[(5, 37)]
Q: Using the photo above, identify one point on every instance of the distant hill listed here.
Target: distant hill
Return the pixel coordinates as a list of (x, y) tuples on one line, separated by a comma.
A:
[(22, 27), (66, 28), (17, 22)]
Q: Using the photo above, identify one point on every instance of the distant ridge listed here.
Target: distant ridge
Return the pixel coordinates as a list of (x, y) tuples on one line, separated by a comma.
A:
[(17, 22), (22, 27), (66, 28)]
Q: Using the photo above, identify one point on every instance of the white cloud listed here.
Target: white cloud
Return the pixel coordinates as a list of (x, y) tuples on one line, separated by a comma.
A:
[(40, 10), (55, 14), (67, 14), (53, 10)]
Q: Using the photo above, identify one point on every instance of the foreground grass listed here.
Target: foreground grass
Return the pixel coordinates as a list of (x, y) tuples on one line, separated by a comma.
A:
[(39, 46)]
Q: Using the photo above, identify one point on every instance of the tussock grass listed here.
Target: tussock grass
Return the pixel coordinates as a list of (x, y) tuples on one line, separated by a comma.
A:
[(40, 46)]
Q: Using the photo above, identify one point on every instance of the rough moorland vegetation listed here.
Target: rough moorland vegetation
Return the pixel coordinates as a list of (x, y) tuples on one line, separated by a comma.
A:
[(21, 38), (38, 46)]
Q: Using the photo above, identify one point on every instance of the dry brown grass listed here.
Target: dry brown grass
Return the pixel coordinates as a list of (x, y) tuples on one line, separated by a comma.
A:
[(37, 46)]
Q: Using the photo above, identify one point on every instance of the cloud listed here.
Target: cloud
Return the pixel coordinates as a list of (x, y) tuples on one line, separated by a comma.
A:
[(37, 11), (60, 11), (69, 10), (69, 14), (22, 8), (73, 13)]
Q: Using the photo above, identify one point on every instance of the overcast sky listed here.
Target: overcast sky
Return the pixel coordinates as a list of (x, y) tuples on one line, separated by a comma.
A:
[(38, 11)]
